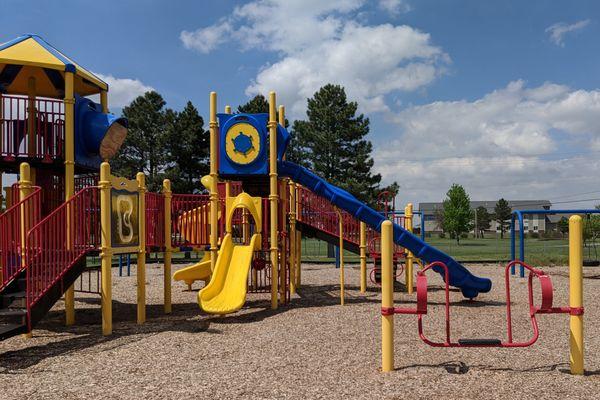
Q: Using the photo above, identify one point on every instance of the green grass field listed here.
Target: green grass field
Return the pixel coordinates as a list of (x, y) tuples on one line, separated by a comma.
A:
[(537, 251)]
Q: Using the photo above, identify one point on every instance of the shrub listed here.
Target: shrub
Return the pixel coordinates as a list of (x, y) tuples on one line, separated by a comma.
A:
[(464, 235), (534, 235), (441, 235)]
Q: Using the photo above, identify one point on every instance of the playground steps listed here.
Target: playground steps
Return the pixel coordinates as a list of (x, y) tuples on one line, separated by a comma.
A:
[(13, 308), (13, 301), (311, 231)]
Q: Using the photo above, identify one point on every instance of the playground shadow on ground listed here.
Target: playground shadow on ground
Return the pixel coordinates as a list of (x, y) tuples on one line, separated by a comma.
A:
[(88, 331), (308, 296), (460, 367)]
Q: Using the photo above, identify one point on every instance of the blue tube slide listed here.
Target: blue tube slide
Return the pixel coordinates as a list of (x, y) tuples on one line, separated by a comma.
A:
[(460, 277)]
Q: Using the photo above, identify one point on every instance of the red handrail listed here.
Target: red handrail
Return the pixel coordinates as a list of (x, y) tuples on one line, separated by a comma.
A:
[(155, 220), (52, 249), (11, 233), (320, 214)]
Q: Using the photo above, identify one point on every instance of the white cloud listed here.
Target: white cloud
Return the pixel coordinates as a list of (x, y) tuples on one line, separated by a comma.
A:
[(370, 62), (121, 91), (394, 7), (319, 42), (207, 39), (516, 142), (558, 31)]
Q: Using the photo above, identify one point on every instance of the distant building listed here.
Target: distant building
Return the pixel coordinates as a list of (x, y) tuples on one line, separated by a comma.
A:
[(531, 223)]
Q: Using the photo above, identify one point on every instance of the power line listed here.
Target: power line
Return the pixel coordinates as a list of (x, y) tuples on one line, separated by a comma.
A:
[(576, 194)]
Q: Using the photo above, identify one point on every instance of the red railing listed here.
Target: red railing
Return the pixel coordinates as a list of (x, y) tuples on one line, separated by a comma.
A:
[(155, 220), (15, 194), (83, 181), (196, 210), (43, 140), (52, 249), (319, 213), (17, 219)]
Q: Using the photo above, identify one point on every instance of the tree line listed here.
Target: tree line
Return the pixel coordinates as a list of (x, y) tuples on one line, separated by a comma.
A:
[(457, 218), (332, 141)]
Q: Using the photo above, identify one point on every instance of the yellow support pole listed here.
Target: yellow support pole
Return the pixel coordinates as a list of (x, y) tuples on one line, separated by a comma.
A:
[(387, 297), (106, 249), (104, 101), (292, 190), (31, 117), (141, 257), (24, 191), (214, 195), (363, 257), (168, 249), (576, 293), (408, 214), (273, 198), (341, 245), (69, 176)]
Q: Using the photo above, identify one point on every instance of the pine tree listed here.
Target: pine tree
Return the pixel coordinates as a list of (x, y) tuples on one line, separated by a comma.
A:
[(457, 212), (258, 104), (332, 142), (187, 144), (144, 147), (502, 213), (483, 220)]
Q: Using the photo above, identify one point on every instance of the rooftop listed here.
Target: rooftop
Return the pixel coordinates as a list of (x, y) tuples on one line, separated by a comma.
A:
[(430, 207)]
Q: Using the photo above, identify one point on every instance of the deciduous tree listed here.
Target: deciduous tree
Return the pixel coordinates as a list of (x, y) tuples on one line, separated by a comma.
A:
[(457, 212)]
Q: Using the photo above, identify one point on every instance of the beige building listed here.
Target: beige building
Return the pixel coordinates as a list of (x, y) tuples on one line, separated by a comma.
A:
[(531, 223)]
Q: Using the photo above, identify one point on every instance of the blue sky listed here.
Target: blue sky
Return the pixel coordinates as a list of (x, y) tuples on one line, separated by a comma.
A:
[(502, 97)]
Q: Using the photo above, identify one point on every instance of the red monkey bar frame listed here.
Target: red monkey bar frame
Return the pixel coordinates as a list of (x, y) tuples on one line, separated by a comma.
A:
[(545, 307)]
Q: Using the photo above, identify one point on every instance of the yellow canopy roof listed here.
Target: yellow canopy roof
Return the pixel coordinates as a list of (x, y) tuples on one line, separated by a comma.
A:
[(31, 56)]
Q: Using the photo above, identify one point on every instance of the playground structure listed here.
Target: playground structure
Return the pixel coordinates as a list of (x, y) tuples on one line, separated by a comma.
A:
[(68, 206), (288, 200), (62, 136)]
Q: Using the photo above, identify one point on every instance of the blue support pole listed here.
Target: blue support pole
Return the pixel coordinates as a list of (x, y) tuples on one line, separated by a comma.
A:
[(120, 264), (519, 214), (337, 256), (128, 264), (521, 245), (512, 243)]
